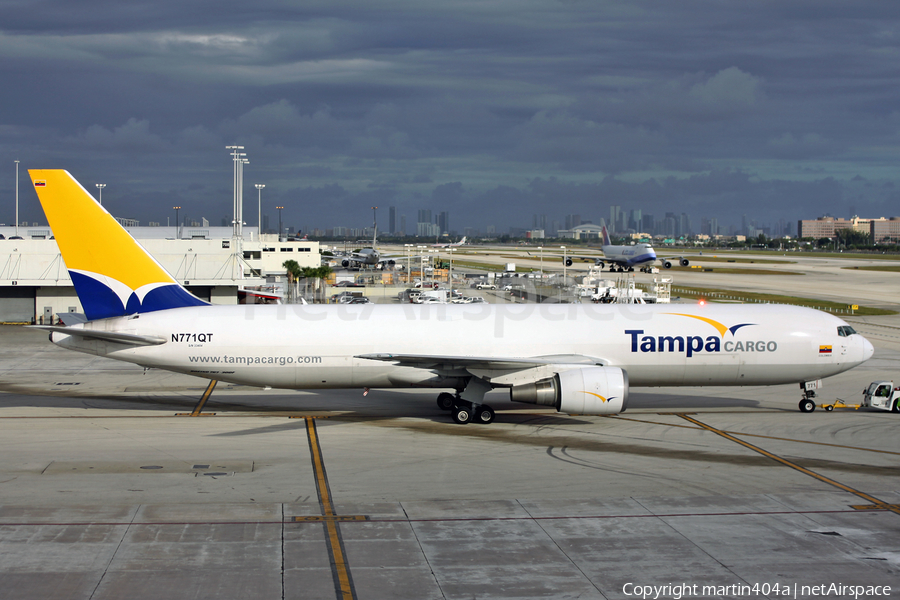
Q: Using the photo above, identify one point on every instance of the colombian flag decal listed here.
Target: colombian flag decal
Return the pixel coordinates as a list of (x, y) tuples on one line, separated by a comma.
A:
[(824, 350), (40, 183)]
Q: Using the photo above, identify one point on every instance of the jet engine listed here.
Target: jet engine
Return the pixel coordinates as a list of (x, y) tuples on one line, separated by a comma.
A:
[(681, 261), (579, 391), (568, 261), (345, 263)]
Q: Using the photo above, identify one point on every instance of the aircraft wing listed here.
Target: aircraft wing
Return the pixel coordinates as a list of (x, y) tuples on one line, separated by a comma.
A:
[(106, 336), (450, 363), (598, 259), (497, 370)]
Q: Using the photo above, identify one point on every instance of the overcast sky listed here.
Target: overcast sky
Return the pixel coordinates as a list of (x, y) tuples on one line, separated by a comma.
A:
[(492, 110)]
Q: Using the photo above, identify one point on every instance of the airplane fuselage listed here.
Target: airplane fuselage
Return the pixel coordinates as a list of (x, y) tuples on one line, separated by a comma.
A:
[(318, 346), (629, 256)]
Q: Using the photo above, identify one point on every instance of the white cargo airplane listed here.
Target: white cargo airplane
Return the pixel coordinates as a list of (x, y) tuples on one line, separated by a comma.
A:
[(626, 258), (578, 359), (461, 242)]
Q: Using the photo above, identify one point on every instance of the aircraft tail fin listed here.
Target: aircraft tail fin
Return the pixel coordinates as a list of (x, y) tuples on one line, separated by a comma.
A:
[(606, 241), (113, 274)]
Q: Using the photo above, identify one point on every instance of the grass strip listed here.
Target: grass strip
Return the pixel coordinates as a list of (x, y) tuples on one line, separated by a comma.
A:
[(720, 295), (887, 268)]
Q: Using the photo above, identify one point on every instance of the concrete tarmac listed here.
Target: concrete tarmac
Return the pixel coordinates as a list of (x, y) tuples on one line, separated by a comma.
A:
[(106, 493)]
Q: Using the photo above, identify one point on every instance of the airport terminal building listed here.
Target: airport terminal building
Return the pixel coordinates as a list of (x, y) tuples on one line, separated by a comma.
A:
[(210, 262), (880, 230)]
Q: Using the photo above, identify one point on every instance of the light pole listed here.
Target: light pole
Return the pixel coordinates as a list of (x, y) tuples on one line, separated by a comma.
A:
[(541, 248), (259, 187), (100, 187), (408, 248), (238, 158), (434, 255), (17, 198), (564, 265), (421, 251), (374, 225), (450, 274), (279, 221), (177, 235)]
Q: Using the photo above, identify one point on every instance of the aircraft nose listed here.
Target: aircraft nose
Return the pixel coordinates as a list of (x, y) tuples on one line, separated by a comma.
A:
[(868, 349)]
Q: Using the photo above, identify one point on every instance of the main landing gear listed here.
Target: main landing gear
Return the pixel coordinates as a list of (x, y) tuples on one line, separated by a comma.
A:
[(464, 411)]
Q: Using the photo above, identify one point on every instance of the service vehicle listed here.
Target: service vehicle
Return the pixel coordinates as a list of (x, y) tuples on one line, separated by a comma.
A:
[(882, 394)]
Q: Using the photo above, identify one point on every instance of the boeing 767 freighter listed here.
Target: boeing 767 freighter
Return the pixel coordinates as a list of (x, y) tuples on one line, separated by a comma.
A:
[(579, 359)]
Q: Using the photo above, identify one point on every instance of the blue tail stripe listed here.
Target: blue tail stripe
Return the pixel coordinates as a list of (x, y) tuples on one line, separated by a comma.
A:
[(169, 296), (98, 301)]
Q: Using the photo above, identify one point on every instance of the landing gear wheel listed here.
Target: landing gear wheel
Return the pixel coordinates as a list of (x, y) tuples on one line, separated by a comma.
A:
[(461, 414), (807, 405), (484, 415), (896, 408), (445, 401)]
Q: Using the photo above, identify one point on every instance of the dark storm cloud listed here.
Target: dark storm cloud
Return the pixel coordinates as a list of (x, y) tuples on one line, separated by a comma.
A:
[(493, 111)]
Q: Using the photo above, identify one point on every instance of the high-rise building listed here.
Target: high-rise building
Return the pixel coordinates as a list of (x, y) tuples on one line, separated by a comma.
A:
[(648, 225), (427, 230), (392, 220), (670, 225), (573, 221), (615, 213), (424, 216), (684, 225), (634, 220), (443, 222), (402, 224)]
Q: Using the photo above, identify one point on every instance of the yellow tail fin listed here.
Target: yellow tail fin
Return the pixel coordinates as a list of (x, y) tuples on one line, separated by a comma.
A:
[(113, 274)]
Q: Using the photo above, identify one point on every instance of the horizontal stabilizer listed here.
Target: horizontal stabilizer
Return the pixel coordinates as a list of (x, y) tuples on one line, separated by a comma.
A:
[(68, 318), (106, 336)]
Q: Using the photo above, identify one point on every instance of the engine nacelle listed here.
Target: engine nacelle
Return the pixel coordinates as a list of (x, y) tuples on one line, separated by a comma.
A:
[(579, 391), (684, 262), (667, 264), (568, 261), (599, 263), (345, 263)]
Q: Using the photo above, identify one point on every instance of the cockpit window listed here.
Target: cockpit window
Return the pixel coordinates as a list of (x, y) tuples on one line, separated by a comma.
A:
[(845, 331)]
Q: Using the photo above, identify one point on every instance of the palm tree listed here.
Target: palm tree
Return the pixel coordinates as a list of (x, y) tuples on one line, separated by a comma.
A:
[(294, 272), (317, 274)]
